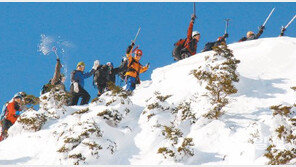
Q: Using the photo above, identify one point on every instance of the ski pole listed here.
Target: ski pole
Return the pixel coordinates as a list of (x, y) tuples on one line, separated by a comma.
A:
[(54, 49), (267, 17), (134, 41), (226, 26)]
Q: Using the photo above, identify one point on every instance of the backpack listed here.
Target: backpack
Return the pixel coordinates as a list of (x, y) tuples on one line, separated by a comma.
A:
[(3, 112), (179, 45), (208, 46), (101, 75), (123, 69)]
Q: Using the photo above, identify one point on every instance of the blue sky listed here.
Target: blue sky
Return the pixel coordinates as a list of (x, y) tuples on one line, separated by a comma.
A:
[(104, 30)]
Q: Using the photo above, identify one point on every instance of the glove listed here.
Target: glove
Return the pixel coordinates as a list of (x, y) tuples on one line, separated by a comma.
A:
[(76, 87), (18, 113), (148, 65), (124, 59), (193, 17), (133, 44), (96, 64), (58, 59), (128, 50), (261, 28), (225, 35), (283, 29)]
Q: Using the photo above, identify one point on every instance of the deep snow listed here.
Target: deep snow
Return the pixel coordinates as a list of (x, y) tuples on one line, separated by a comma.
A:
[(239, 137)]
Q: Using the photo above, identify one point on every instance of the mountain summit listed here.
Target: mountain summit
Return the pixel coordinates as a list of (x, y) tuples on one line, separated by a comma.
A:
[(185, 115)]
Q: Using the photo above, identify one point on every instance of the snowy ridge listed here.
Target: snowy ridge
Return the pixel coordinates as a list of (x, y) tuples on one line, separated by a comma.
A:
[(163, 123)]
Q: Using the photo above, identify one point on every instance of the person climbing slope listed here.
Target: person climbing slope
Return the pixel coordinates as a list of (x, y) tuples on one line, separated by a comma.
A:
[(187, 47), (77, 83), (134, 68), (13, 111)]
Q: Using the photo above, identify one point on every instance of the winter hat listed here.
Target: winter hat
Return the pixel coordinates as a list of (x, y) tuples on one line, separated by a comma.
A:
[(109, 64), (18, 97), (21, 94), (195, 33), (249, 33), (81, 64)]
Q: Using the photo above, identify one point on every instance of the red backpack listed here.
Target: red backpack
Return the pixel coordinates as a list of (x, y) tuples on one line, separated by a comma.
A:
[(179, 45)]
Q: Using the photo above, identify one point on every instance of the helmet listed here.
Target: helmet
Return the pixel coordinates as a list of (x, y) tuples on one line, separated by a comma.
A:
[(109, 64), (81, 64), (249, 33), (195, 33), (139, 52), (20, 95), (221, 39)]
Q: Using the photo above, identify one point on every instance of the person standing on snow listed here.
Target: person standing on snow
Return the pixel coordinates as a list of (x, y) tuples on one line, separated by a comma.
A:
[(13, 111), (251, 35), (191, 41), (134, 68), (112, 72), (100, 78), (187, 47), (77, 83), (57, 80)]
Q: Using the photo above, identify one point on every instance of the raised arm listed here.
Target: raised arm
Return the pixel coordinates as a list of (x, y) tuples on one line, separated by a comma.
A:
[(57, 72), (129, 52), (190, 28), (260, 32)]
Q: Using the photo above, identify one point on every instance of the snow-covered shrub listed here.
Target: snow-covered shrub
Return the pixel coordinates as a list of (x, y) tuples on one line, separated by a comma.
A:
[(54, 102), (117, 90), (32, 120), (169, 120), (82, 142), (219, 73), (172, 133), (31, 100), (175, 149), (78, 134), (56, 98), (111, 115), (282, 149), (183, 112), (82, 111)]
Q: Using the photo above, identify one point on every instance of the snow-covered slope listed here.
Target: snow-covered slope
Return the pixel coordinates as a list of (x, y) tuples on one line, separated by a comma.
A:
[(163, 122)]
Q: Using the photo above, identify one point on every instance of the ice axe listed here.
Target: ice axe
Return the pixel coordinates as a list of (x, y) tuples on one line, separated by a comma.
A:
[(263, 25), (194, 9), (134, 41), (284, 28), (226, 25)]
